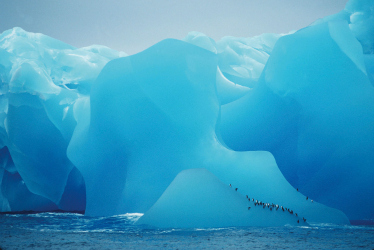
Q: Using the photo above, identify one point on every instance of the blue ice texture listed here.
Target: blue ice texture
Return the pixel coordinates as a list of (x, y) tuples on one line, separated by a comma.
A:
[(261, 131)]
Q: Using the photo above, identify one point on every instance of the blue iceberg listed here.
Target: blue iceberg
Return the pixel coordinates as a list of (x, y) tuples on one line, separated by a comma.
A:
[(287, 120)]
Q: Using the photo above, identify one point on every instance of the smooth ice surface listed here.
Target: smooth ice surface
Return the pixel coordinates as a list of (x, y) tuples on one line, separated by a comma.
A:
[(162, 93)]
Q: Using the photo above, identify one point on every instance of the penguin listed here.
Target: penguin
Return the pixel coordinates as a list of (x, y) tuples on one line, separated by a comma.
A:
[(297, 221), (230, 185), (296, 214), (246, 196), (236, 189), (249, 208), (297, 189), (307, 197)]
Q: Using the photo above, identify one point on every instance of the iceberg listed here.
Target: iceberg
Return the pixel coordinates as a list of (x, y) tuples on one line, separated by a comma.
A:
[(285, 119)]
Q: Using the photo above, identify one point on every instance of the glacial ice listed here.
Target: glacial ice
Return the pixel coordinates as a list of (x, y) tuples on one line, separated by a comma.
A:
[(94, 129)]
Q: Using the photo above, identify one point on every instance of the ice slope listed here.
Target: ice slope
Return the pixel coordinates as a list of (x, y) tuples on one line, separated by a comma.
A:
[(197, 198)]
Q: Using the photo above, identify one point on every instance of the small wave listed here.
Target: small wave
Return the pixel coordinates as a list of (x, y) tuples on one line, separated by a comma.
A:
[(211, 229), (132, 217), (129, 215), (52, 215)]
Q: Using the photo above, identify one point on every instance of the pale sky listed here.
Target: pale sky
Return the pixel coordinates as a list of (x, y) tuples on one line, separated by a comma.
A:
[(132, 26)]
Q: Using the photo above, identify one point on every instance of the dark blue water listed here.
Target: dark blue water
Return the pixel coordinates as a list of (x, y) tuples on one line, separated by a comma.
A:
[(74, 231)]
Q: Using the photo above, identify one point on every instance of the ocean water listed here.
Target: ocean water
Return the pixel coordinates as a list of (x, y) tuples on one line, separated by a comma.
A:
[(75, 231)]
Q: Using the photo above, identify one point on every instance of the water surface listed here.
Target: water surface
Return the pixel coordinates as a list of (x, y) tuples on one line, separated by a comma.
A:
[(75, 231)]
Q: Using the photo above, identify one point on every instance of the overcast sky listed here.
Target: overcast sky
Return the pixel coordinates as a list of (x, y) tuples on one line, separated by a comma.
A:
[(132, 26)]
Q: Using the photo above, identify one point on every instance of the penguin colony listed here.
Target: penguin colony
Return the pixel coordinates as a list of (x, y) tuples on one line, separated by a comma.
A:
[(272, 206)]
